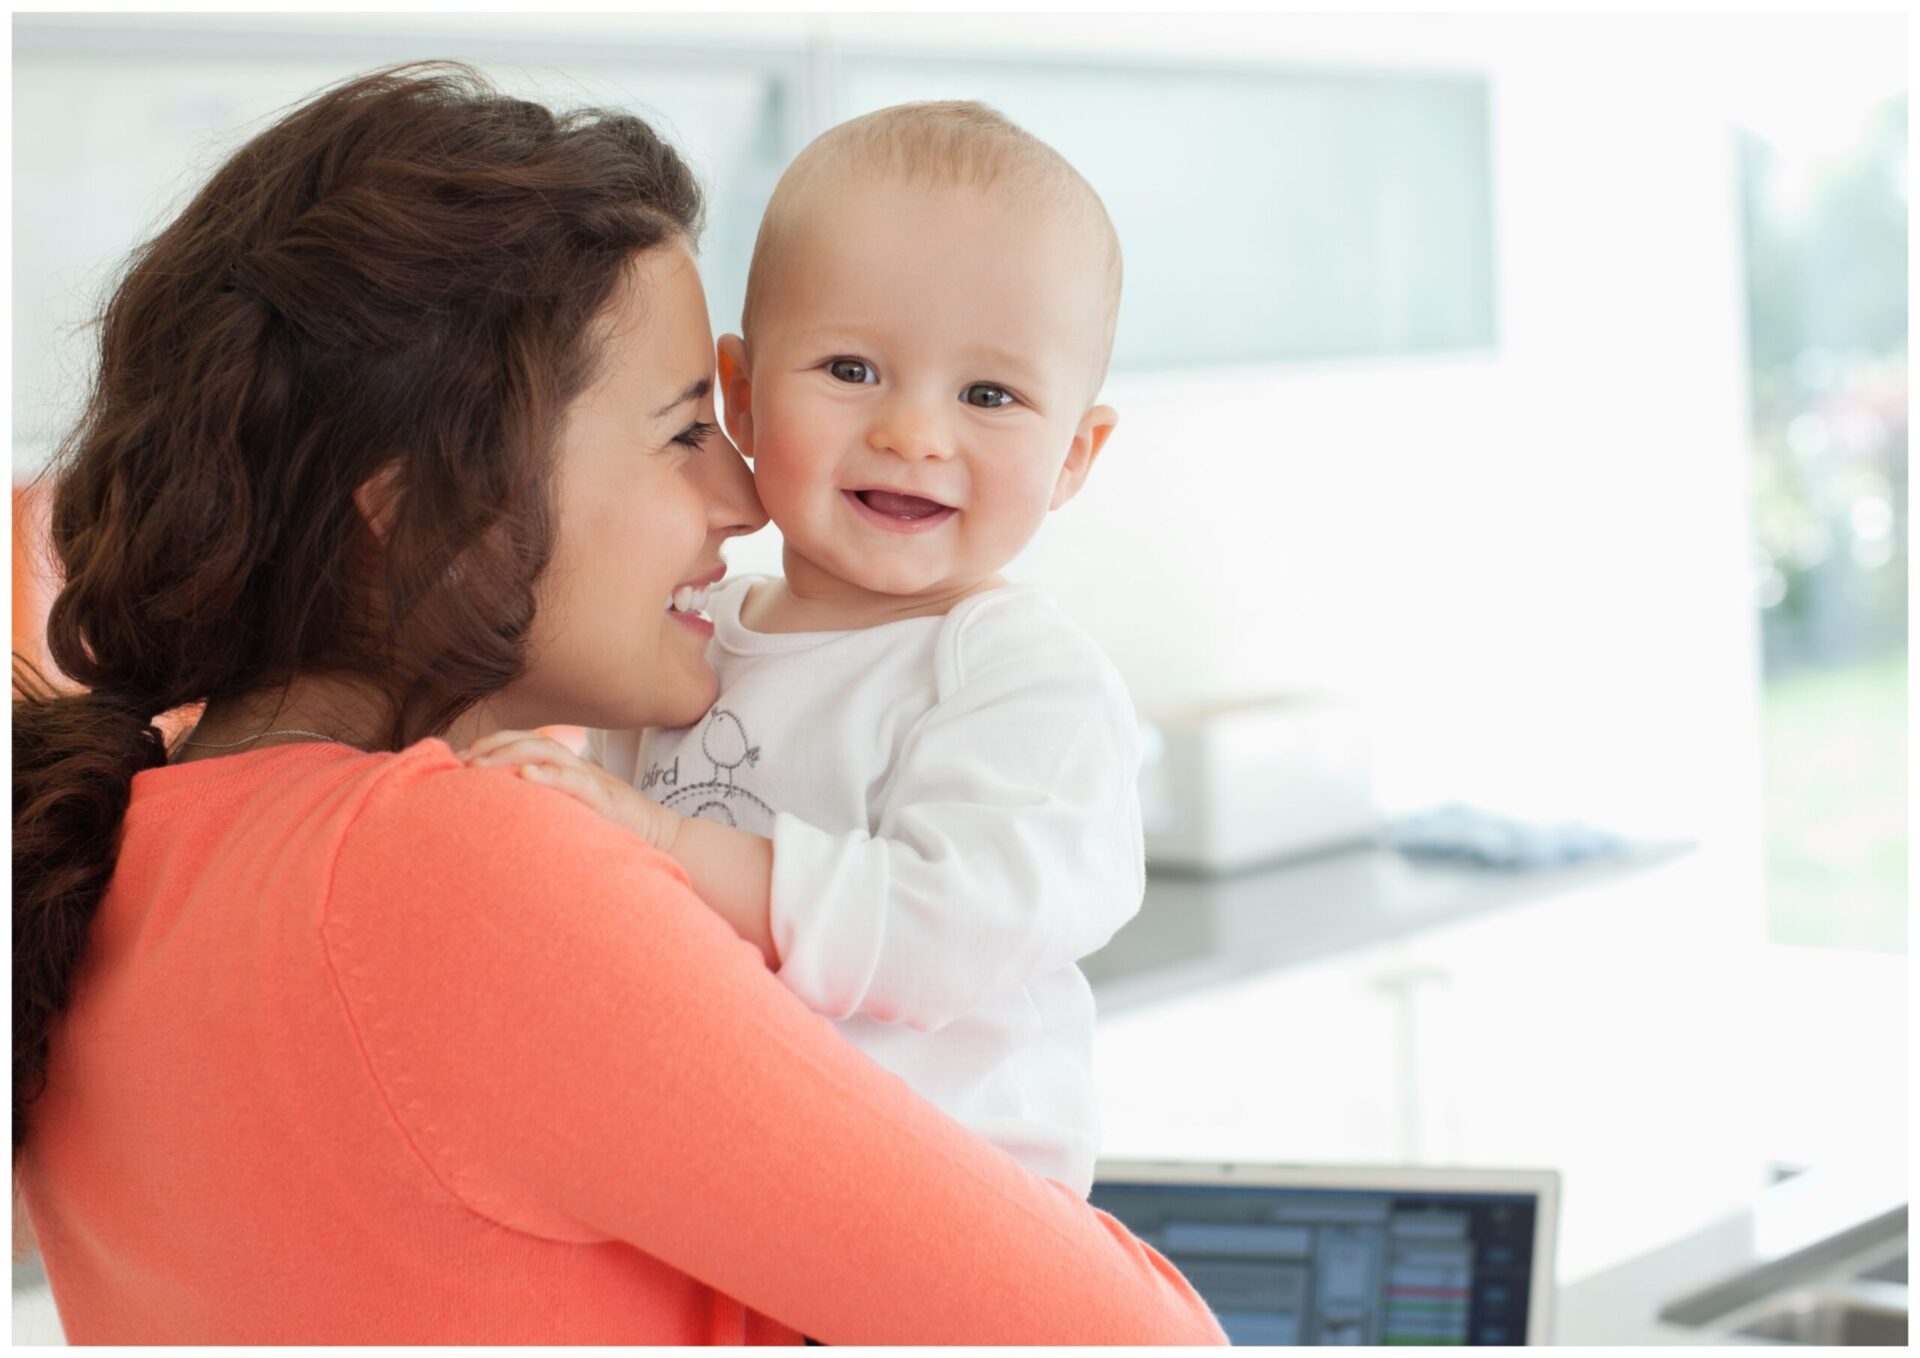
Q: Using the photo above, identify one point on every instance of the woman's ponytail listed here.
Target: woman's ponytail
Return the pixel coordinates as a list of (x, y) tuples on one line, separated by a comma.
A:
[(74, 757)]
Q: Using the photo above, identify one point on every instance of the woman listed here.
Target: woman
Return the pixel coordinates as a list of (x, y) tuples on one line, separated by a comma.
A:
[(403, 433)]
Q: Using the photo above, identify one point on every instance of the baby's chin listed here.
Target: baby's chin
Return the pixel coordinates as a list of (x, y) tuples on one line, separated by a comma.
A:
[(899, 576), (897, 582)]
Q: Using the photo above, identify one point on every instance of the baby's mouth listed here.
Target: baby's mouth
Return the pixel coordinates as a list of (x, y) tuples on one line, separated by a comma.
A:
[(897, 505)]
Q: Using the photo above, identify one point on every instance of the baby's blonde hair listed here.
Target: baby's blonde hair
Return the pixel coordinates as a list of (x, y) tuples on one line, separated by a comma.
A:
[(940, 142)]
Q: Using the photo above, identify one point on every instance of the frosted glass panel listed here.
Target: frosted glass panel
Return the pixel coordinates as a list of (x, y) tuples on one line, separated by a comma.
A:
[(118, 142), (1265, 216)]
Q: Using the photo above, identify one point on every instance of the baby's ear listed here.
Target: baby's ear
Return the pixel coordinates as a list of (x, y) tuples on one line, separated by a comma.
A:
[(378, 498), (1088, 439), (736, 393)]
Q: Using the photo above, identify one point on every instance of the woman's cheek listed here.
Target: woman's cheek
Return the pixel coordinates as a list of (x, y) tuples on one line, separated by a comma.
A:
[(675, 526)]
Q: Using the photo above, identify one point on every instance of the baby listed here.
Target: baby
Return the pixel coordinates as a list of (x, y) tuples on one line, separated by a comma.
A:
[(916, 792)]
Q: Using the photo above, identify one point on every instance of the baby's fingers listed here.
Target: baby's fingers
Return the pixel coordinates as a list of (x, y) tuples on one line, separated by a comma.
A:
[(487, 744), (524, 748), (578, 784)]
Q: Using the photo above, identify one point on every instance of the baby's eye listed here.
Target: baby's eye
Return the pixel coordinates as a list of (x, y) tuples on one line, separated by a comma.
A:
[(851, 370), (986, 396)]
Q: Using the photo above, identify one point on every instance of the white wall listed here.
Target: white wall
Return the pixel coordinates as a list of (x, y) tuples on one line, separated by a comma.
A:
[(1532, 562)]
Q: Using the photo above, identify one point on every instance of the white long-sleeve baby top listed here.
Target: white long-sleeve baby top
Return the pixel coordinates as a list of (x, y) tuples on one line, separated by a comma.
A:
[(955, 823)]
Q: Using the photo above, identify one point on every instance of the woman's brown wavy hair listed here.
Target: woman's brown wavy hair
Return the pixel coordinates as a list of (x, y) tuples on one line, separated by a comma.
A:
[(401, 272)]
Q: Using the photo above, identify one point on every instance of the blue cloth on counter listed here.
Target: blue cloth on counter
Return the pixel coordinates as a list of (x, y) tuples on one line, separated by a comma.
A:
[(1476, 836)]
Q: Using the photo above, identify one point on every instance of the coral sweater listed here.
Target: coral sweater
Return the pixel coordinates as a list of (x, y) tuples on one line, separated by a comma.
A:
[(380, 1049)]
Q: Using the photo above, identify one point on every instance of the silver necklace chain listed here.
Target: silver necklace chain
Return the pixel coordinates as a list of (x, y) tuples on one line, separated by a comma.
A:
[(282, 731)]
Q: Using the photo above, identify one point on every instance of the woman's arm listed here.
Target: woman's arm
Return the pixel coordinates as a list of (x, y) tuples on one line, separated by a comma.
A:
[(579, 1049)]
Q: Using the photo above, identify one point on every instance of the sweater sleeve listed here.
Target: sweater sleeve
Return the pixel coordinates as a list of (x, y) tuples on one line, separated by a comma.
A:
[(574, 1046), (1006, 844)]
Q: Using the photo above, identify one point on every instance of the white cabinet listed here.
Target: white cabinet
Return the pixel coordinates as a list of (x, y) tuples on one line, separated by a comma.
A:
[(1293, 1065), (1609, 1034), (1606, 1032)]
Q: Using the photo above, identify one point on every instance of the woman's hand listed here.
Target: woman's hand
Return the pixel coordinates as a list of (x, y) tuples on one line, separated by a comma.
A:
[(547, 762)]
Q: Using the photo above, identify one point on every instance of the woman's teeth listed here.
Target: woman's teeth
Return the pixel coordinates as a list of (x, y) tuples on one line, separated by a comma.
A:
[(687, 599)]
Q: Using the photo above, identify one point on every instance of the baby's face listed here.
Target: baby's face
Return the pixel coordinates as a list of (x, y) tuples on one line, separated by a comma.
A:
[(922, 365)]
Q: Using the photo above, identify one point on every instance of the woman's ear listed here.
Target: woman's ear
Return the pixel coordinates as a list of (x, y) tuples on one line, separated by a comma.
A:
[(1088, 439), (736, 393), (378, 499)]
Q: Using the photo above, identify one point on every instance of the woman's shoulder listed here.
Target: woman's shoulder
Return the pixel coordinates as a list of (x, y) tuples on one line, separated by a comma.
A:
[(484, 938), (483, 842), (424, 804), (428, 787)]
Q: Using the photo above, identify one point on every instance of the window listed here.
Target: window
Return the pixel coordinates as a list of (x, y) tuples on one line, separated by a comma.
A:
[(1827, 290)]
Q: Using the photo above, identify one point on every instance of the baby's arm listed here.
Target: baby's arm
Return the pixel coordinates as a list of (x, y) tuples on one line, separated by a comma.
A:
[(1006, 839), (1007, 846), (731, 869)]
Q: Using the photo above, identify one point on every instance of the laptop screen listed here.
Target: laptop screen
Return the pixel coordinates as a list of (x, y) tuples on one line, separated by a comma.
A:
[(1289, 1265)]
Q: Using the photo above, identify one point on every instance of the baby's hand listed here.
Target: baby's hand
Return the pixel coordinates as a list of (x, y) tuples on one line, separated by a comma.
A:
[(551, 764)]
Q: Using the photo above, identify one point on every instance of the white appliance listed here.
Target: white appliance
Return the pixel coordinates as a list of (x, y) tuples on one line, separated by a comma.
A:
[(1233, 784)]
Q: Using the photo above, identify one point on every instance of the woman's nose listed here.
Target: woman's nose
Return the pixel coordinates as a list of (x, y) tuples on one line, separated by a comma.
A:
[(908, 428), (733, 505)]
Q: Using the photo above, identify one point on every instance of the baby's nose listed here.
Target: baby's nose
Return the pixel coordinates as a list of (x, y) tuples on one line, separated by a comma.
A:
[(906, 429)]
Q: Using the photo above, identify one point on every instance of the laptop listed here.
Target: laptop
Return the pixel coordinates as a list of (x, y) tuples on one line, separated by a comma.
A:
[(1365, 1254)]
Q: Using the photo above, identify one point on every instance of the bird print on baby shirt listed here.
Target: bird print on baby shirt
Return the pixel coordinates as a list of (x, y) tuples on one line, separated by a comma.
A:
[(719, 796)]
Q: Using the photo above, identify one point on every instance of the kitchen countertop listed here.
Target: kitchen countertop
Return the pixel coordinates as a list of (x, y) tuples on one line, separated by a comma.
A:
[(1194, 931), (1622, 1304), (1677, 1107)]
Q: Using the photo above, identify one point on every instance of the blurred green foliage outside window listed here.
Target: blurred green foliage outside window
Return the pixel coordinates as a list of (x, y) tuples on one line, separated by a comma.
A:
[(1827, 314)]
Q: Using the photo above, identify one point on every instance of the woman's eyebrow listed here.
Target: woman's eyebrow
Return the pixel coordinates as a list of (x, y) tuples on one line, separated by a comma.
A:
[(693, 392)]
